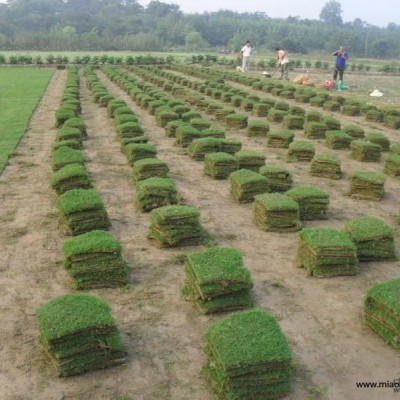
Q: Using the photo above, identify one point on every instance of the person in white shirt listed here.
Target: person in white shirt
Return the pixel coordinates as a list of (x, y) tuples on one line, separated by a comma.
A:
[(283, 63), (245, 53)]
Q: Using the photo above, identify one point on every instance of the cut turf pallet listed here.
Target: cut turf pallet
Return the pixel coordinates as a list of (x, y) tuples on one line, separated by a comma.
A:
[(367, 185), (326, 166), (245, 184), (220, 165), (279, 178)]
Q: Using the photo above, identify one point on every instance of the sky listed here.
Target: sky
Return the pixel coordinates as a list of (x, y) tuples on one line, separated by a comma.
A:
[(378, 13)]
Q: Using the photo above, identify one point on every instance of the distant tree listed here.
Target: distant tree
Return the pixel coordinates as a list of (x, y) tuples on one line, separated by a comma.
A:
[(194, 41), (392, 27), (331, 13)]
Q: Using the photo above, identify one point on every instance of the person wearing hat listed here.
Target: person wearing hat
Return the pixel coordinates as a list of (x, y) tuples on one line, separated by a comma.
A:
[(245, 54), (283, 63), (341, 57)]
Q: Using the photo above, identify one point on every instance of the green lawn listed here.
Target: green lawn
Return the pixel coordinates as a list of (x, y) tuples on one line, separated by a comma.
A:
[(21, 88)]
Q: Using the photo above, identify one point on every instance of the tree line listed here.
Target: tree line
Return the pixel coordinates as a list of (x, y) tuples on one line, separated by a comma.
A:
[(126, 25)]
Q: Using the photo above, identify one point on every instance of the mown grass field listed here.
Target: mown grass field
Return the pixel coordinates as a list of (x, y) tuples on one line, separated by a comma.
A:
[(20, 92)]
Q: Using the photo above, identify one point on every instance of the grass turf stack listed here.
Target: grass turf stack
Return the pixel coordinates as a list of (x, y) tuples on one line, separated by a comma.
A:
[(291, 121), (257, 128), (82, 210), (373, 238), (355, 131), (236, 120), (367, 185), (155, 192), (279, 178), (185, 134), (338, 140), (230, 146), (248, 357), (362, 150), (280, 139), (382, 311), (149, 168), (64, 156), (300, 150), (250, 159), (326, 166), (326, 252), (378, 139), (313, 202), (79, 334), (175, 225), (220, 165), (94, 260), (392, 165), (245, 184), (276, 212), (315, 130), (200, 147), (72, 176), (216, 281)]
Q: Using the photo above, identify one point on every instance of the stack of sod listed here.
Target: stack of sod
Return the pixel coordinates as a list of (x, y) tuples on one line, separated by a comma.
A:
[(82, 210), (332, 124), (280, 139), (326, 252), (392, 165), (261, 109), (175, 226), (351, 109), (276, 212), (149, 168), (313, 116), (62, 115), (317, 101), (136, 139), (220, 165), (250, 159), (216, 281), (355, 131), (69, 134), (230, 146), (292, 121), (200, 147), (221, 113), (138, 151), (382, 311), (326, 166), (72, 176), (94, 260), (71, 143), (275, 115), (215, 132), (300, 150), (79, 334), (245, 184), (373, 238), (129, 129), (379, 139), (395, 149), (155, 192), (257, 128), (391, 121), (248, 357), (374, 115), (367, 185), (114, 104), (172, 126), (165, 115), (338, 140), (331, 105), (313, 202), (236, 120), (315, 130), (362, 150), (185, 134), (76, 123), (64, 156), (279, 178), (200, 123)]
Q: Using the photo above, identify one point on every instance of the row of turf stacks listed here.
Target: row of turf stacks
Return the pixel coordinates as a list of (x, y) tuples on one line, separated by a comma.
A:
[(392, 165), (362, 150), (276, 212), (245, 184), (381, 307), (72, 176), (79, 334), (326, 166), (338, 140), (279, 178), (220, 165), (216, 280), (367, 185), (248, 357), (300, 150), (155, 192), (280, 139), (149, 168), (326, 252), (94, 260), (373, 238), (313, 202), (82, 210), (250, 159), (175, 225)]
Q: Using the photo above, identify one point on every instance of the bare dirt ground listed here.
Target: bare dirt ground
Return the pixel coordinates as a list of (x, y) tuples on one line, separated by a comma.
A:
[(322, 318)]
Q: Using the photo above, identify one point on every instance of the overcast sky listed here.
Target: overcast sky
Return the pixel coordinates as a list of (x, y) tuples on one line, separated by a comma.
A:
[(378, 13)]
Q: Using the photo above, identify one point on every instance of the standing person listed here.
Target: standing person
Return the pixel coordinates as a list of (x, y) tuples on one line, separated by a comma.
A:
[(245, 54), (341, 57), (283, 63)]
